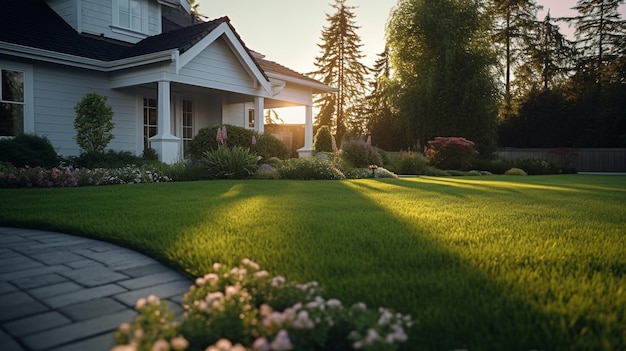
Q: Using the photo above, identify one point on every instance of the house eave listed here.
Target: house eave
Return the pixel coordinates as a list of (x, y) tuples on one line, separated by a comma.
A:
[(84, 62), (318, 88)]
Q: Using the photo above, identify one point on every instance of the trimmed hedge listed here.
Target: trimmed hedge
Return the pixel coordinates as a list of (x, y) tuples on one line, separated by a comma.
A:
[(28, 150)]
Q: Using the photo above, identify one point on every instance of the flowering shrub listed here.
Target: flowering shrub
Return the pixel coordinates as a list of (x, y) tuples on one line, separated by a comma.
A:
[(309, 168), (245, 308), (450, 152), (64, 176)]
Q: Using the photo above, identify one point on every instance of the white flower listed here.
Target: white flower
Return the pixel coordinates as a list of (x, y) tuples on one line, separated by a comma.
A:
[(250, 264), (281, 342), (261, 274), (141, 303), (153, 300), (179, 343), (231, 290), (200, 281), (302, 321), (160, 345), (265, 310), (385, 317), (261, 344), (223, 344), (278, 281), (372, 336), (216, 266), (124, 328), (211, 278), (333, 303)]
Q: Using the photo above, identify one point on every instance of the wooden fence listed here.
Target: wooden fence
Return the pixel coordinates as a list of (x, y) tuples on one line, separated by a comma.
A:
[(585, 160)]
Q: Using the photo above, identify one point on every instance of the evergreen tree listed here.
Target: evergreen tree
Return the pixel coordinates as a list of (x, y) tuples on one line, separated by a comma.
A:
[(443, 63), (514, 20), (599, 33), (551, 57), (339, 66), (381, 121)]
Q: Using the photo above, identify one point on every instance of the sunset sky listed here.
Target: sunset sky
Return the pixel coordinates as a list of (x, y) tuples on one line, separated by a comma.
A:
[(288, 31)]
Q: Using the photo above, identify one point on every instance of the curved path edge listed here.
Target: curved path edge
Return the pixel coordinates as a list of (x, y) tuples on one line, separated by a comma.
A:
[(61, 292)]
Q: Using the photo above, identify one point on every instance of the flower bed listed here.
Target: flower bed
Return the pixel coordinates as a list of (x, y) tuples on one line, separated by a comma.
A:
[(245, 308), (67, 176)]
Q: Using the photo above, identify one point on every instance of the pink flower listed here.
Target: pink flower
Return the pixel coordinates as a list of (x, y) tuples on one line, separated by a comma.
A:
[(160, 345)]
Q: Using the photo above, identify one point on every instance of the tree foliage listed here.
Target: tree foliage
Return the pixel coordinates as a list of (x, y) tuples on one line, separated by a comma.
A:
[(514, 21), (382, 122), (93, 123), (339, 66), (443, 62)]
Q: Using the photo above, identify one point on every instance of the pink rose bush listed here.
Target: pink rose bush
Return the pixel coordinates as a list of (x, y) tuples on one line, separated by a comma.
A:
[(246, 308)]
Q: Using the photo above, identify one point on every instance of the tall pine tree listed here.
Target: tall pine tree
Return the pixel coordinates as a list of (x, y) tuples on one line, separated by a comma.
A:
[(513, 22), (599, 33), (339, 66)]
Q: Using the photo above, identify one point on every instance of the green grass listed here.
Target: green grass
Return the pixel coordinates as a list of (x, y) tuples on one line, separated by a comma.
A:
[(483, 263)]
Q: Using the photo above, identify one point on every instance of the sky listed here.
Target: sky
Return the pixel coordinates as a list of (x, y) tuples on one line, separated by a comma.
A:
[(288, 31)]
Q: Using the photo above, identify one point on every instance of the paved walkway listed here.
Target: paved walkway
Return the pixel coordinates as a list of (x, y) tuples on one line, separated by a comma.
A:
[(66, 293)]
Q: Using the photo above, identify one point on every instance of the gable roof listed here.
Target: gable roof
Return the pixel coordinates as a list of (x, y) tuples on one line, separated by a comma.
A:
[(33, 24)]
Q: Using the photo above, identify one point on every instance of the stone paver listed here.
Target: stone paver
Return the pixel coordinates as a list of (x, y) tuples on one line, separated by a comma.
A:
[(60, 292)]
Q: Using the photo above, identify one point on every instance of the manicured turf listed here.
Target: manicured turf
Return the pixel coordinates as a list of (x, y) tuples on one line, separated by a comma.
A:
[(483, 263)]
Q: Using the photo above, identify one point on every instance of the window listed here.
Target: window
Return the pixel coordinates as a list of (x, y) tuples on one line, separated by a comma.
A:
[(149, 121), (187, 124), (11, 102), (251, 118), (130, 14)]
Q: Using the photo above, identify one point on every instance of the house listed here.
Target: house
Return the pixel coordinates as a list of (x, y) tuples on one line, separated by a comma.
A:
[(165, 73)]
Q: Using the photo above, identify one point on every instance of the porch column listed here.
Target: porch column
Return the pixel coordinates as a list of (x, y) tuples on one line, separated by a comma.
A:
[(165, 144), (307, 149), (259, 122)]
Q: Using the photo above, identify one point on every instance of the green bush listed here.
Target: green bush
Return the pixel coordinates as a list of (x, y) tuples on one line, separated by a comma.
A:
[(309, 168), (516, 172), (323, 141), (495, 165), (93, 123), (450, 152), (360, 154), (109, 159), (266, 171), (535, 166), (229, 163), (268, 146), (205, 140), (409, 163), (28, 150)]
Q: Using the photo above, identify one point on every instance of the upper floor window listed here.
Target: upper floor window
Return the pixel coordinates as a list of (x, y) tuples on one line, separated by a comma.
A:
[(11, 102), (131, 14)]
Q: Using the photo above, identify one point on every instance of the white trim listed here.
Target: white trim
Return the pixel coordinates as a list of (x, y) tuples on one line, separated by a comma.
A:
[(115, 24), (29, 92), (321, 88)]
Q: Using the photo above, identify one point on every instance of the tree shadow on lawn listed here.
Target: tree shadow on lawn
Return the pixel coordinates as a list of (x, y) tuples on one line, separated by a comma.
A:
[(391, 262)]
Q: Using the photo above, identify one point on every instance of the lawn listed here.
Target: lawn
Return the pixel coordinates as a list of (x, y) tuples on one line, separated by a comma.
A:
[(482, 263)]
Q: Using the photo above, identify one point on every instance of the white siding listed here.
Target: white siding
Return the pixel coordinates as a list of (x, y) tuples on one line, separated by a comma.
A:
[(58, 90), (67, 10), (217, 67), (236, 114), (295, 94)]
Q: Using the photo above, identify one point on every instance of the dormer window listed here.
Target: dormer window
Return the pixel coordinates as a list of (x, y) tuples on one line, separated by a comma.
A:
[(131, 15)]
